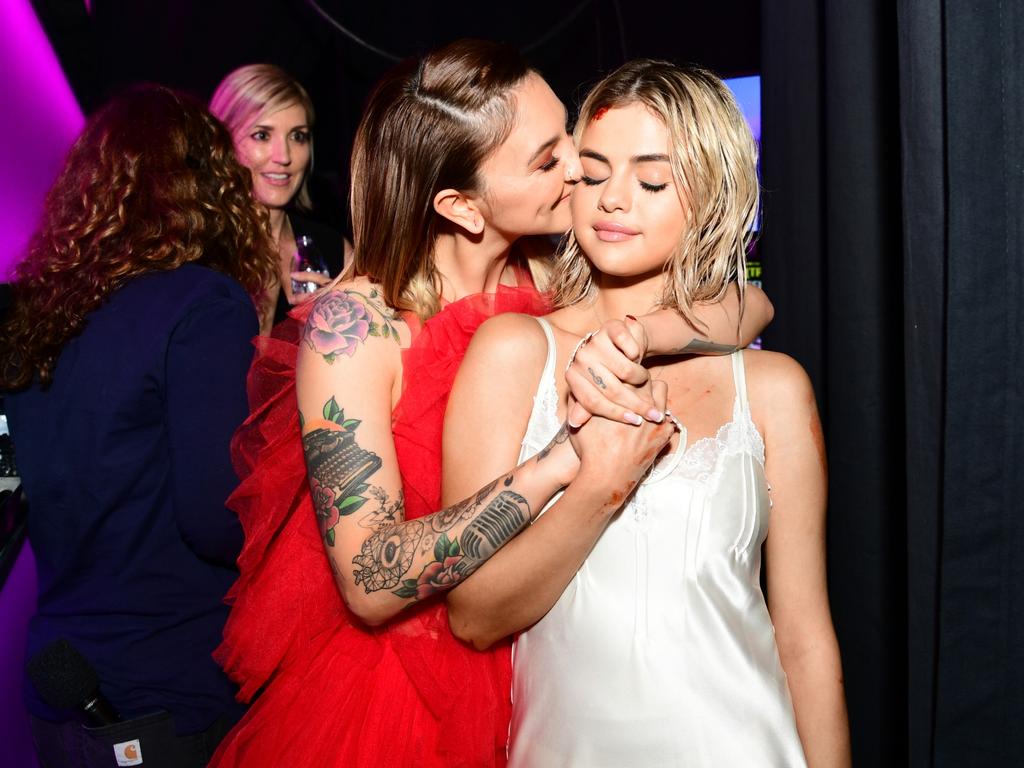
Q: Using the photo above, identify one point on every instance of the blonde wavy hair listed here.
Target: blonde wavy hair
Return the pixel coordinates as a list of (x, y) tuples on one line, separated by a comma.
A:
[(151, 183), (250, 91), (714, 167), (428, 126)]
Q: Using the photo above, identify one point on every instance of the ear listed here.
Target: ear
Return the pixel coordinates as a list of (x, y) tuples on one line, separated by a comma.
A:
[(459, 209)]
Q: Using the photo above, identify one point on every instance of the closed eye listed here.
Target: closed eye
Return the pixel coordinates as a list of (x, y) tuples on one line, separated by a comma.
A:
[(652, 187), (550, 164), (592, 182)]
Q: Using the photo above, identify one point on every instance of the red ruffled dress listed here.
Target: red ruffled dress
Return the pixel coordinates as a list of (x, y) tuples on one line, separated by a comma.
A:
[(335, 692)]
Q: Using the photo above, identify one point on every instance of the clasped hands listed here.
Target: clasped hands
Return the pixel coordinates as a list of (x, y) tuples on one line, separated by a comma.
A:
[(607, 380)]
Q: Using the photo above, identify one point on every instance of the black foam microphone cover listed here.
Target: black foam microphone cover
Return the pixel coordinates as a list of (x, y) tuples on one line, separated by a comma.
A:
[(66, 680)]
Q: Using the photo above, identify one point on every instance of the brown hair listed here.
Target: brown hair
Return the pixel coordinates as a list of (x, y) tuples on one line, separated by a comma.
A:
[(152, 183), (714, 165), (250, 91), (428, 126)]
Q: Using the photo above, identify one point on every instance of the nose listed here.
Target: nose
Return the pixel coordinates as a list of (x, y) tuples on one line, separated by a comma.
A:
[(571, 161), (615, 194), (281, 153), (572, 168)]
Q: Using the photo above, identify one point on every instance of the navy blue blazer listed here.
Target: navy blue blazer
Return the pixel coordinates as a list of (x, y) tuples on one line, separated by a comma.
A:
[(125, 460)]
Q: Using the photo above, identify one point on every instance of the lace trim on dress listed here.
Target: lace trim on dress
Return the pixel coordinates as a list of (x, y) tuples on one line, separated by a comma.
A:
[(740, 435), (540, 430)]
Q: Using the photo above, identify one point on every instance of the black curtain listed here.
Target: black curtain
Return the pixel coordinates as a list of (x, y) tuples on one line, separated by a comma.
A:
[(894, 176)]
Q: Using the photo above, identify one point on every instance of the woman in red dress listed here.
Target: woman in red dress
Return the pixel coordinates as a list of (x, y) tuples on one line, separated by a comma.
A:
[(458, 157)]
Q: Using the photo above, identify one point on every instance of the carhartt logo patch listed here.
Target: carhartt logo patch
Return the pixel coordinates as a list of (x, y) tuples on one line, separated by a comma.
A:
[(128, 752)]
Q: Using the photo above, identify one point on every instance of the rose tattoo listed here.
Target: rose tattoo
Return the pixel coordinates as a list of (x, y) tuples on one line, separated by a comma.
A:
[(337, 324)]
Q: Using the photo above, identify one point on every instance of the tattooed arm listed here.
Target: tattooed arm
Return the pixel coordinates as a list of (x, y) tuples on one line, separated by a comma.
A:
[(669, 334), (520, 583), (348, 380), (614, 351)]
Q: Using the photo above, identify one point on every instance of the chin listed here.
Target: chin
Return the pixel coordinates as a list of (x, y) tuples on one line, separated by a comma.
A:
[(277, 199), (614, 263)]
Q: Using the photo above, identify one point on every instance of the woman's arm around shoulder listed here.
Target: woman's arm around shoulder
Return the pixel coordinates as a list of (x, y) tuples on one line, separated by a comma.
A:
[(723, 329), (784, 408), (620, 344)]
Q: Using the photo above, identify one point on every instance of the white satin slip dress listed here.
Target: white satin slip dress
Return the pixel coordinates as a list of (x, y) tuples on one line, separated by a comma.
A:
[(660, 651)]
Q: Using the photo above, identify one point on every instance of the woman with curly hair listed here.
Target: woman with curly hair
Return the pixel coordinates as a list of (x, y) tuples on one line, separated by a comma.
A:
[(125, 356)]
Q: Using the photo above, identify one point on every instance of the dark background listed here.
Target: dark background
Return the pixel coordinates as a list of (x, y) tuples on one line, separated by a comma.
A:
[(893, 167), (191, 45)]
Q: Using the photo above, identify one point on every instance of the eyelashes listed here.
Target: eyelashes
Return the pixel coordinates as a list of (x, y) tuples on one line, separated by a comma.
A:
[(652, 187), (589, 181), (550, 164)]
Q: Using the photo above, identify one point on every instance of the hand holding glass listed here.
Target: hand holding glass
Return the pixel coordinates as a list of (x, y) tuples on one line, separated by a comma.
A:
[(308, 259)]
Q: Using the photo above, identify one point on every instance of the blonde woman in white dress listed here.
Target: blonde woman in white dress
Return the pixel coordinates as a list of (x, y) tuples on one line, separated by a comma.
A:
[(645, 639)]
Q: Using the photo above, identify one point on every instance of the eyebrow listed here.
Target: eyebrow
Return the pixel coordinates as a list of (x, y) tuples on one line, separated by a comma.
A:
[(656, 158), (261, 127), (542, 148), (652, 158)]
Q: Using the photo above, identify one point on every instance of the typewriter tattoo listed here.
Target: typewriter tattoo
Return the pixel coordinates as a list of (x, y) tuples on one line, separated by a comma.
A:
[(338, 469)]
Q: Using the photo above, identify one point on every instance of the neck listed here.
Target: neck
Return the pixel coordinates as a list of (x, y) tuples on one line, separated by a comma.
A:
[(469, 265), (618, 297), (277, 222)]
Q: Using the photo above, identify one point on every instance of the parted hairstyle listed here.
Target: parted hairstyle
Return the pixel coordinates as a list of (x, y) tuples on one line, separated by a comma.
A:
[(714, 167), (255, 89), (151, 183), (428, 126)]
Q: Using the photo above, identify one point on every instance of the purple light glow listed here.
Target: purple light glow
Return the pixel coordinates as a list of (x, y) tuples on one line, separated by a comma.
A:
[(17, 604), (747, 91), (43, 120), (46, 120)]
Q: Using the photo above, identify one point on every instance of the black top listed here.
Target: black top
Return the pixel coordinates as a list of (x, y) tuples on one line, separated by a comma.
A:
[(125, 459), (329, 242)]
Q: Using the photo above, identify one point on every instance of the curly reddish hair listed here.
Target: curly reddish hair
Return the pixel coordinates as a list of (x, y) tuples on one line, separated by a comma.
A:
[(152, 183)]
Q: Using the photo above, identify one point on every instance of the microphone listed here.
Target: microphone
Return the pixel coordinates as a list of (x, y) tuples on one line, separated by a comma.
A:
[(65, 680)]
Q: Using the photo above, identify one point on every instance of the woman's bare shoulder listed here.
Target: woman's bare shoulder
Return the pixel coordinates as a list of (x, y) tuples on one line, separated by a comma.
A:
[(363, 290), (351, 320), (776, 383), (510, 338)]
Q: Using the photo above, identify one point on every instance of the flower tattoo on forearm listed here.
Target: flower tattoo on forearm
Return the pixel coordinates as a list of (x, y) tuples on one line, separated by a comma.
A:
[(501, 519), (458, 539)]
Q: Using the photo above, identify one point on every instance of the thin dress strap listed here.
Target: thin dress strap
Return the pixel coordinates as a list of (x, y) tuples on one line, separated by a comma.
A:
[(549, 364), (544, 422), (739, 379)]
